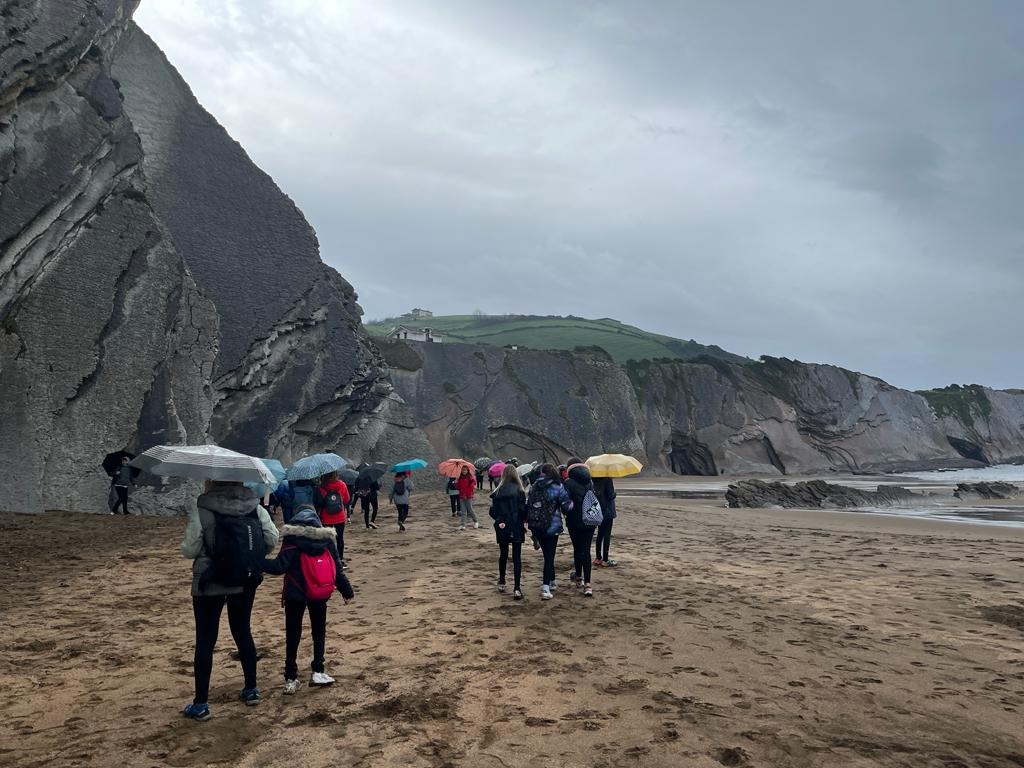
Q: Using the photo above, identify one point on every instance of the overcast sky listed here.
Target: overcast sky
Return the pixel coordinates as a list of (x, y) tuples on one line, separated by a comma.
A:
[(827, 181)]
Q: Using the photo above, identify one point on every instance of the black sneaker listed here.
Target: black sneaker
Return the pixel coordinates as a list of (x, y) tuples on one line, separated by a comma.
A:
[(251, 696)]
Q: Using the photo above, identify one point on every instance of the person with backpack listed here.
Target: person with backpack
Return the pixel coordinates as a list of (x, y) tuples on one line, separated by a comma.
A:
[(546, 504), (227, 537), (330, 505), (453, 495), (303, 492), (400, 496), (508, 510), (580, 487), (286, 499), (366, 490), (311, 565), (466, 485), (605, 490)]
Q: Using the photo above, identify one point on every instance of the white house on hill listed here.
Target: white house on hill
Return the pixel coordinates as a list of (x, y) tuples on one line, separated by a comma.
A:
[(405, 333), (420, 314)]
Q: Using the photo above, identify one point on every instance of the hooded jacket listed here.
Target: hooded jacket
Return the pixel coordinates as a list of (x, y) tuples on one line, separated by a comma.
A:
[(326, 517), (466, 485), (508, 507), (401, 498), (306, 534), (236, 500), (577, 483)]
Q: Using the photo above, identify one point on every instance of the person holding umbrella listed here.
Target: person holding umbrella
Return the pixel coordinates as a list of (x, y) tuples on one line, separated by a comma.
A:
[(227, 537), (400, 496), (331, 506), (367, 486), (122, 477), (466, 484)]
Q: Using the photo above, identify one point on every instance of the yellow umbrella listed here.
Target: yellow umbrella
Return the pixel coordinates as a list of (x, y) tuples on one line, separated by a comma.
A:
[(613, 465)]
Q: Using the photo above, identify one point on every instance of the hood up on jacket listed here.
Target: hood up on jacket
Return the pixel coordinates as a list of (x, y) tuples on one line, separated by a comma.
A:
[(306, 532), (236, 500), (580, 473)]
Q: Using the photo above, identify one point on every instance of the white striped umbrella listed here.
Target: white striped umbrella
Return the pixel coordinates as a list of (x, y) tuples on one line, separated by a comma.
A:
[(203, 462)]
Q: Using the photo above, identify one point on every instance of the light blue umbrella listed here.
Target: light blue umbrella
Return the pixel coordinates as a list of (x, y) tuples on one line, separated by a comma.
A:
[(277, 468), (310, 467), (408, 465)]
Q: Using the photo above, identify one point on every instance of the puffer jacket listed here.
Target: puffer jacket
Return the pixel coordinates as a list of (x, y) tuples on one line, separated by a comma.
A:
[(558, 496), (508, 510), (306, 534), (236, 500), (577, 483)]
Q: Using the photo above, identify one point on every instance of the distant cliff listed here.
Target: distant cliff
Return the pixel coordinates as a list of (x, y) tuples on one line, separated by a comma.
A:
[(155, 285), (707, 417)]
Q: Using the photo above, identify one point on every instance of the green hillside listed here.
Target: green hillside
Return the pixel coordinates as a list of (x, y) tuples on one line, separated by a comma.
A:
[(622, 342)]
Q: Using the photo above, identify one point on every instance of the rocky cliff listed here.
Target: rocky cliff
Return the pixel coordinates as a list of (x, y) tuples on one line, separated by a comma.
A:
[(774, 416), (155, 286)]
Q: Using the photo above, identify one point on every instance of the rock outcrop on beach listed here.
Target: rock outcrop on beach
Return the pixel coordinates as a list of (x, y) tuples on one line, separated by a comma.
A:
[(986, 491), (814, 494), (706, 417), (155, 285)]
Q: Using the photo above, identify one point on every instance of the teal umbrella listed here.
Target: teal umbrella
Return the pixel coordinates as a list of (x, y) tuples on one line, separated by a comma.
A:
[(277, 469), (408, 465)]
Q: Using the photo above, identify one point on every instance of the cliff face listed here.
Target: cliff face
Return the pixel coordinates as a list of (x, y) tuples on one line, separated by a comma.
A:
[(155, 286), (771, 417)]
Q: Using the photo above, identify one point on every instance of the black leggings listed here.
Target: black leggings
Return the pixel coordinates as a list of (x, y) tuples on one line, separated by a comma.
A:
[(604, 538), (581, 538), (207, 610), (339, 528), (122, 499), (294, 610), (366, 502), (403, 512), (548, 545), (455, 505), (517, 561)]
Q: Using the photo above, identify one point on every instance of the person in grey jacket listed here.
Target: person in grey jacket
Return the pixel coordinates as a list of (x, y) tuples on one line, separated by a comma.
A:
[(209, 597), (400, 496)]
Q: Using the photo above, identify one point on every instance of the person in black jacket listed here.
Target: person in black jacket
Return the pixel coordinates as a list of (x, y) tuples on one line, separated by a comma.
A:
[(508, 509), (366, 490), (604, 488), (577, 483), (305, 535)]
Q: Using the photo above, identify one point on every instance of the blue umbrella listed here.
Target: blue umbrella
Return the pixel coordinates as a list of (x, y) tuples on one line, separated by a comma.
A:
[(311, 467), (277, 468), (408, 465)]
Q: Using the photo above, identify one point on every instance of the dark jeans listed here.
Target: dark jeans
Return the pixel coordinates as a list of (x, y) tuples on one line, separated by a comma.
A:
[(403, 512), (366, 502), (581, 540), (293, 613), (339, 528), (548, 545), (517, 561), (122, 499), (455, 505), (604, 537), (207, 610)]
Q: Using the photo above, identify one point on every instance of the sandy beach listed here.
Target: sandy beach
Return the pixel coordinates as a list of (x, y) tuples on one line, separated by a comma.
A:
[(725, 637)]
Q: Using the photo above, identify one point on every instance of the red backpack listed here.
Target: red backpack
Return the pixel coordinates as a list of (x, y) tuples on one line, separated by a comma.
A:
[(319, 574)]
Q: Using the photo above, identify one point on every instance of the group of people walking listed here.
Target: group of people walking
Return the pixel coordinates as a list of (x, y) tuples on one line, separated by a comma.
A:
[(230, 535), (558, 501)]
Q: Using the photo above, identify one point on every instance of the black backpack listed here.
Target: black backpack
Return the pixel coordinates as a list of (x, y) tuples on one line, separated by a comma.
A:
[(540, 508), (399, 489), (333, 503), (238, 550)]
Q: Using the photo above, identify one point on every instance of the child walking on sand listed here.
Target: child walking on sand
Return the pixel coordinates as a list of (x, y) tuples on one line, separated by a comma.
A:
[(312, 570), (400, 496)]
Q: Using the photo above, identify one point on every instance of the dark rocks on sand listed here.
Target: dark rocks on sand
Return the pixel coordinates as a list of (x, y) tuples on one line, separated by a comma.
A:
[(986, 491), (813, 494)]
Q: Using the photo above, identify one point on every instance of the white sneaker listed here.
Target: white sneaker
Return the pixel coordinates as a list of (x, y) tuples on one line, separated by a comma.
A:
[(291, 686), (320, 678), (545, 593), (476, 525)]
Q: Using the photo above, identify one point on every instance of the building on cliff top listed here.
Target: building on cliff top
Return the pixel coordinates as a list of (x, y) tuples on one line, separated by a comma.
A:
[(419, 314), (405, 333)]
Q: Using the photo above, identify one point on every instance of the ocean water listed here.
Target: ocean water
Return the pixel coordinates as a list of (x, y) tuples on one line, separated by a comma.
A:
[(1006, 473)]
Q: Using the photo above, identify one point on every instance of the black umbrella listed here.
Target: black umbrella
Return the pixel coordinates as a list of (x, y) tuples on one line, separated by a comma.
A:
[(112, 463), (347, 475), (374, 471), (483, 463)]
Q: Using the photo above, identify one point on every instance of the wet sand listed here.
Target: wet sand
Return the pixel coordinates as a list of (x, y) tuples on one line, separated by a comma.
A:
[(725, 637)]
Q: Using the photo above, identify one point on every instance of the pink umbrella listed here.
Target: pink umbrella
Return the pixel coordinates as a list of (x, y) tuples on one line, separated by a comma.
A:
[(496, 469)]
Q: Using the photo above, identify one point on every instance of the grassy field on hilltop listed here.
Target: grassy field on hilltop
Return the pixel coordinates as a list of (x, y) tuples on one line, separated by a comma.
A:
[(622, 342)]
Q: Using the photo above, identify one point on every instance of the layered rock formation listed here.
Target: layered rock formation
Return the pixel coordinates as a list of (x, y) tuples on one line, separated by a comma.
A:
[(155, 286), (710, 417), (814, 494)]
